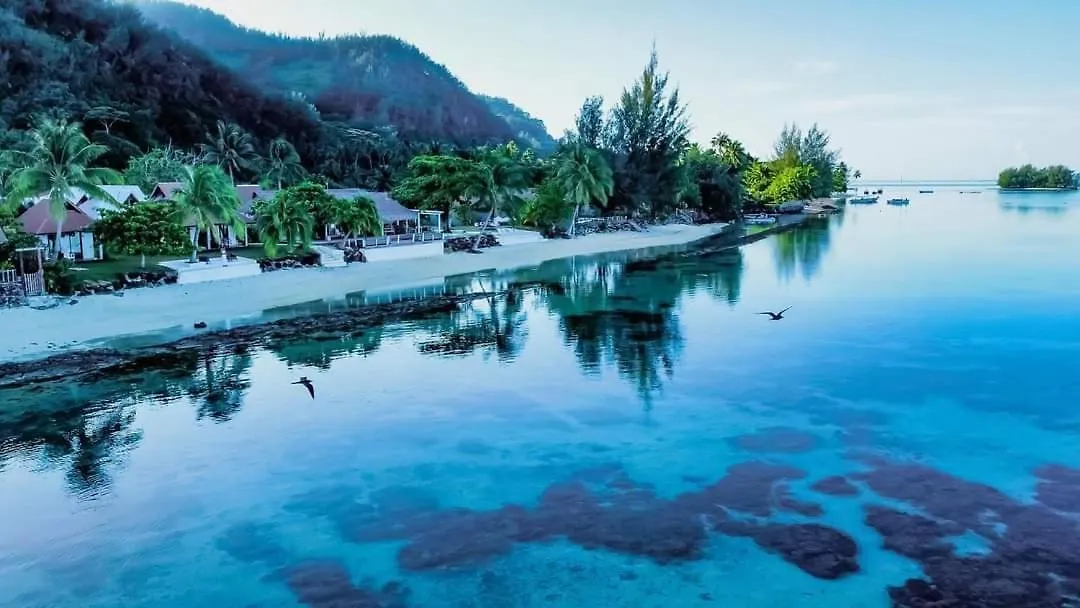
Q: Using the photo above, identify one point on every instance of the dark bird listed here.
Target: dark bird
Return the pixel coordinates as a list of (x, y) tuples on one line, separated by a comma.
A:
[(307, 384), (775, 316)]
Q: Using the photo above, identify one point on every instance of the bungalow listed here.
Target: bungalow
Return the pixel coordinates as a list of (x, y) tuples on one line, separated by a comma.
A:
[(396, 218), (247, 194), (76, 237), (94, 206)]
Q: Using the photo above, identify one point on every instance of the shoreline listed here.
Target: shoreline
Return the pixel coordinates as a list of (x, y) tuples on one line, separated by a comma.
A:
[(32, 334), (98, 361)]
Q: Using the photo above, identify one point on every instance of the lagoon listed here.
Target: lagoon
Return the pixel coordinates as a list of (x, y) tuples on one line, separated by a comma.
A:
[(634, 435)]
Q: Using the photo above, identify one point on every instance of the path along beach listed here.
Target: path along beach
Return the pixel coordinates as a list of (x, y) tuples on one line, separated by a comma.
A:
[(26, 333)]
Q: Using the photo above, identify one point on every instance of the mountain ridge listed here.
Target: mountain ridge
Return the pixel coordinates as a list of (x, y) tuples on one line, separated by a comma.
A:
[(371, 81)]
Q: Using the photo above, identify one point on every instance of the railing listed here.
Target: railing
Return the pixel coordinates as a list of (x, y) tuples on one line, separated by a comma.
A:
[(401, 239), (33, 284)]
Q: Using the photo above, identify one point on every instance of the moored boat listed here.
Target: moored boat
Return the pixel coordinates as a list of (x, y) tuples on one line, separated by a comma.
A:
[(898, 201), (926, 191), (863, 200), (759, 218)]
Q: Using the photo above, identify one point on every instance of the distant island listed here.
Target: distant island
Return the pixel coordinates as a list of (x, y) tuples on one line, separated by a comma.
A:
[(1029, 177)]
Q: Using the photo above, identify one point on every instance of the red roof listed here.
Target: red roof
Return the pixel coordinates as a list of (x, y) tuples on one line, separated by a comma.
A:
[(166, 189), (38, 219)]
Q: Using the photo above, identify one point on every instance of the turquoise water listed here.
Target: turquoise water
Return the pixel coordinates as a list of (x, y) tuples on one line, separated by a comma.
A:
[(635, 436)]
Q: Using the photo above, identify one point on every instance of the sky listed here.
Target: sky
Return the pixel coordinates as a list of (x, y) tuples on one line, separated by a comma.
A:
[(908, 89)]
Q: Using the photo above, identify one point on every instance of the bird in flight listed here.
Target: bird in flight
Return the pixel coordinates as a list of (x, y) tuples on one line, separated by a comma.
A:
[(775, 316), (307, 384)]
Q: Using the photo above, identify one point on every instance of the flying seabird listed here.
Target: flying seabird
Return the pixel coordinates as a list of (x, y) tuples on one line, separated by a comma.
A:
[(775, 316), (307, 384)]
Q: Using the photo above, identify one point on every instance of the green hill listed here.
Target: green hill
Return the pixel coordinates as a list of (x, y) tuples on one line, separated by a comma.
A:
[(133, 84), (368, 81), (527, 129)]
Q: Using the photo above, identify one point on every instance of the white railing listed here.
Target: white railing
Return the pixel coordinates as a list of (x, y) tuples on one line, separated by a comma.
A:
[(33, 284), (401, 239)]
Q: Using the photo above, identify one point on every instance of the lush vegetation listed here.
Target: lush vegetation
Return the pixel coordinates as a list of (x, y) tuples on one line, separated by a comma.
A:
[(142, 229), (1057, 177), (369, 81), (160, 110), (59, 161)]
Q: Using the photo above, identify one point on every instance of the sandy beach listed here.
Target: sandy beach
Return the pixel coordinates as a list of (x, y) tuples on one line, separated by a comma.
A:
[(30, 333)]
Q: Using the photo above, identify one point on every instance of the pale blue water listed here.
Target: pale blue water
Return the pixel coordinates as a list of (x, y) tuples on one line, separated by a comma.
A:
[(945, 334)]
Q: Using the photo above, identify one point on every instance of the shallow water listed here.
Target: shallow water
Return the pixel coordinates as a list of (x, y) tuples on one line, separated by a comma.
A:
[(931, 354)]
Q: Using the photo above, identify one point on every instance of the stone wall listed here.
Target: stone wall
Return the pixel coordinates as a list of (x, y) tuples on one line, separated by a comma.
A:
[(12, 295)]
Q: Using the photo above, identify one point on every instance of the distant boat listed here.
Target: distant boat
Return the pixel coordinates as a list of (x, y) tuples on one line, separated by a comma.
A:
[(759, 218), (863, 200), (926, 191), (897, 201)]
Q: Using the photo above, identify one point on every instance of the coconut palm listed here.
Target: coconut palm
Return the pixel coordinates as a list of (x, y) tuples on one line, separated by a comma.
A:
[(206, 201), (59, 163), (283, 163), (283, 220), (230, 148), (584, 176), (359, 216)]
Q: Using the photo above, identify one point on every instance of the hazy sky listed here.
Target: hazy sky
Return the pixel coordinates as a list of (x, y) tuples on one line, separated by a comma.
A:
[(927, 89)]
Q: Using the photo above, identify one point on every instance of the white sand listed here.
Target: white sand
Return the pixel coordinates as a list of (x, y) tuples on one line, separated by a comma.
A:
[(27, 333)]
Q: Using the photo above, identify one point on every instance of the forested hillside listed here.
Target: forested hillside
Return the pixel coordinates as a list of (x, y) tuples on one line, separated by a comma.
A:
[(368, 81), (132, 84)]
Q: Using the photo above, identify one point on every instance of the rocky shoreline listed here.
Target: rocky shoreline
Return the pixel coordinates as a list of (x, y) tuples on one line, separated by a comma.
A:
[(97, 362)]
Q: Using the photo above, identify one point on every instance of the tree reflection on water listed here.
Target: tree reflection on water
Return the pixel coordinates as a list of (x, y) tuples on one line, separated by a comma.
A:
[(801, 249)]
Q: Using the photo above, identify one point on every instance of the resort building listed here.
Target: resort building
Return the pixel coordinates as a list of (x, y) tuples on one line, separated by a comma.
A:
[(76, 240)]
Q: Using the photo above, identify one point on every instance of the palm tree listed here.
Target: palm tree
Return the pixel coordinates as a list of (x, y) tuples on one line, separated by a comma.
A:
[(206, 201), (584, 176), (730, 150), (57, 164), (230, 148), (283, 163), (283, 220), (357, 217)]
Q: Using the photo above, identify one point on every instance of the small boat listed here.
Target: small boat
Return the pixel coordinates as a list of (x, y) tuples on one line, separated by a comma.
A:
[(897, 201), (863, 200), (759, 218), (926, 191)]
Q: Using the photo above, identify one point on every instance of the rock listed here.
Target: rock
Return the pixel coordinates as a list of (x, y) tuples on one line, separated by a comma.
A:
[(200, 325), (465, 243), (118, 294), (12, 295)]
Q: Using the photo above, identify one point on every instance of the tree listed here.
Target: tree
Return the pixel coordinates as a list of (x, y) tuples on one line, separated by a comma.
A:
[(58, 163), (142, 228), (584, 176), (589, 123), (840, 177), (156, 166), (285, 219), (792, 183), (647, 134), (794, 148), (230, 148), (757, 178), (713, 187), (730, 151), (358, 217), (206, 201), (442, 183), (320, 204), (549, 208), (283, 163)]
